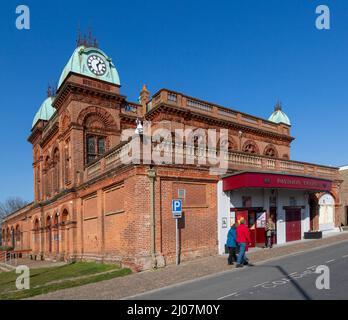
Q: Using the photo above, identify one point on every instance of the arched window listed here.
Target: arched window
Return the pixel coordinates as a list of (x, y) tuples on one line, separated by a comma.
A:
[(65, 216), (38, 182), (36, 225), (13, 240), (36, 235), (67, 161), (18, 234), (98, 124), (56, 176), (49, 233), (95, 137), (271, 151), (95, 147), (250, 147), (47, 176), (55, 220), (326, 212)]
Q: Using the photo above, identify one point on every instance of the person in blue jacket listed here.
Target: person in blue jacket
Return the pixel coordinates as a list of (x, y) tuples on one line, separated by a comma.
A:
[(232, 245)]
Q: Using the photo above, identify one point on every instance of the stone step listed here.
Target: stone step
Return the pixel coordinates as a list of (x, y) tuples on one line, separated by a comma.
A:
[(6, 267)]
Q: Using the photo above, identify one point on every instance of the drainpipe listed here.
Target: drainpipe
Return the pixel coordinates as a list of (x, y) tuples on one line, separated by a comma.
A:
[(152, 177)]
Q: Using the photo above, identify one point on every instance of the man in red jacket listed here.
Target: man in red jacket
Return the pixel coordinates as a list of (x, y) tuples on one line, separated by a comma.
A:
[(243, 240)]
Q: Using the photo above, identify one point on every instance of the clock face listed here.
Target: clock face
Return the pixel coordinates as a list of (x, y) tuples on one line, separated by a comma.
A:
[(96, 65)]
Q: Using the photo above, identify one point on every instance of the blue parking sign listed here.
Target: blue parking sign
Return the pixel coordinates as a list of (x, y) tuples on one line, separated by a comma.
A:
[(177, 208)]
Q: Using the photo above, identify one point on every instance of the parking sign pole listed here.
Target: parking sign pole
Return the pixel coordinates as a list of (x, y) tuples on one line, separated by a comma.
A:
[(177, 241), (177, 214)]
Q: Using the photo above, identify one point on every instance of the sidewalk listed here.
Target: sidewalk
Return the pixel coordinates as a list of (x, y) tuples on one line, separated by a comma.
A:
[(149, 280)]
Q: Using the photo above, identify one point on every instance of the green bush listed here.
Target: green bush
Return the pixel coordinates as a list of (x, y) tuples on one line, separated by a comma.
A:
[(6, 248)]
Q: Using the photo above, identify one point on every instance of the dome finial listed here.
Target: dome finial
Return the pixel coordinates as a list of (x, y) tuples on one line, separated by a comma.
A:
[(278, 106), (78, 39), (87, 40), (144, 88), (49, 91)]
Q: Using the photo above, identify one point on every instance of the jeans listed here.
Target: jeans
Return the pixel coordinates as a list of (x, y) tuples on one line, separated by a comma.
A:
[(241, 255), (269, 241), (232, 255)]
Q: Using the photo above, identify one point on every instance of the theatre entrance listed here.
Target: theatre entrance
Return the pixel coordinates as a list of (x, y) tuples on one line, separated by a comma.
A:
[(255, 220), (293, 224)]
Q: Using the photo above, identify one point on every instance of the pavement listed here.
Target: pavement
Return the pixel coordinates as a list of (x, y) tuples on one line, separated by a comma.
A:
[(290, 278), (163, 283)]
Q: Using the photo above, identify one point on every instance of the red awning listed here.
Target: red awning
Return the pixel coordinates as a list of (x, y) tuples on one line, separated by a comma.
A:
[(275, 181)]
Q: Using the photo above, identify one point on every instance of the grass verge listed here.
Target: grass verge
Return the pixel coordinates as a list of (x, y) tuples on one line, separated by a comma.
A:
[(44, 280)]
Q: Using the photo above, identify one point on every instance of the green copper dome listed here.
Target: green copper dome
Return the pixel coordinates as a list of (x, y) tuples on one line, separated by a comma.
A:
[(91, 62), (278, 116), (45, 112)]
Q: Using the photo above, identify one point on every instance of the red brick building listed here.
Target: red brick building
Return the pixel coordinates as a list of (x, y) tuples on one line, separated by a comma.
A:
[(344, 195), (89, 203)]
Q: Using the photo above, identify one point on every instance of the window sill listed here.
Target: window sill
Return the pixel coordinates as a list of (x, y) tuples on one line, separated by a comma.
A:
[(114, 212)]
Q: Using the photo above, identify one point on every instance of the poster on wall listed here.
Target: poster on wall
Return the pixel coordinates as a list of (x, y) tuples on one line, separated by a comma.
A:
[(242, 214), (261, 220), (232, 218), (224, 223)]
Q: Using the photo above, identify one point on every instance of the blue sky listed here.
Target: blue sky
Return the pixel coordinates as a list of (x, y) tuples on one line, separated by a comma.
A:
[(239, 53)]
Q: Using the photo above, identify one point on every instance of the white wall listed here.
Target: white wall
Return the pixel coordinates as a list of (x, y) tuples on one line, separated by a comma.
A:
[(326, 212), (260, 198), (223, 213)]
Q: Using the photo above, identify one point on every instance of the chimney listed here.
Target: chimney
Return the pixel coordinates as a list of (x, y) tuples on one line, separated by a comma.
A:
[(144, 98)]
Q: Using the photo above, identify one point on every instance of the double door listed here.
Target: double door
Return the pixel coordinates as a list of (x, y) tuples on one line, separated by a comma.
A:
[(257, 232), (293, 224)]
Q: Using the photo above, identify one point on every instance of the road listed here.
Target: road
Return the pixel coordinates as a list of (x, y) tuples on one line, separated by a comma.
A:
[(289, 278)]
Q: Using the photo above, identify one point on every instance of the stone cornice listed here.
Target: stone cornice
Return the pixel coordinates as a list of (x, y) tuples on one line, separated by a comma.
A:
[(70, 87)]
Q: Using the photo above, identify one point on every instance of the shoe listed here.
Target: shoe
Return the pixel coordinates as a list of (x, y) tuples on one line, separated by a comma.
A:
[(231, 264), (239, 266)]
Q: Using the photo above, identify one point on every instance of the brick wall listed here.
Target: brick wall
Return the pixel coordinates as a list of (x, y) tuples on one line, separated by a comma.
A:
[(343, 212)]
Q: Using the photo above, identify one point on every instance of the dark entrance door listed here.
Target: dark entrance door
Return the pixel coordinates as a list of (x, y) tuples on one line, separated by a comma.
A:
[(252, 229), (293, 224), (49, 238), (249, 219), (273, 214), (242, 214), (13, 243)]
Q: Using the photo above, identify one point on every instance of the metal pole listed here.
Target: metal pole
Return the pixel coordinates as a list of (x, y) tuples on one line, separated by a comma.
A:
[(152, 175), (177, 241)]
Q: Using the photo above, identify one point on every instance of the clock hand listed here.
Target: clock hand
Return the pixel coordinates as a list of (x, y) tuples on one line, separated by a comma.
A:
[(95, 64), (100, 66)]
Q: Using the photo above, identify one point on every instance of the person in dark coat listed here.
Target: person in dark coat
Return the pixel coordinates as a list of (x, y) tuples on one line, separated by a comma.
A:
[(232, 245)]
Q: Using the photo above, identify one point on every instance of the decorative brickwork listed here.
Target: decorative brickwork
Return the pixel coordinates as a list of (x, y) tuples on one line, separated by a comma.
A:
[(100, 208)]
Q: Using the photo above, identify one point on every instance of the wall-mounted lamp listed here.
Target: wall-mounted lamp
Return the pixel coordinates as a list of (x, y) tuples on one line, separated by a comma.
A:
[(139, 130)]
